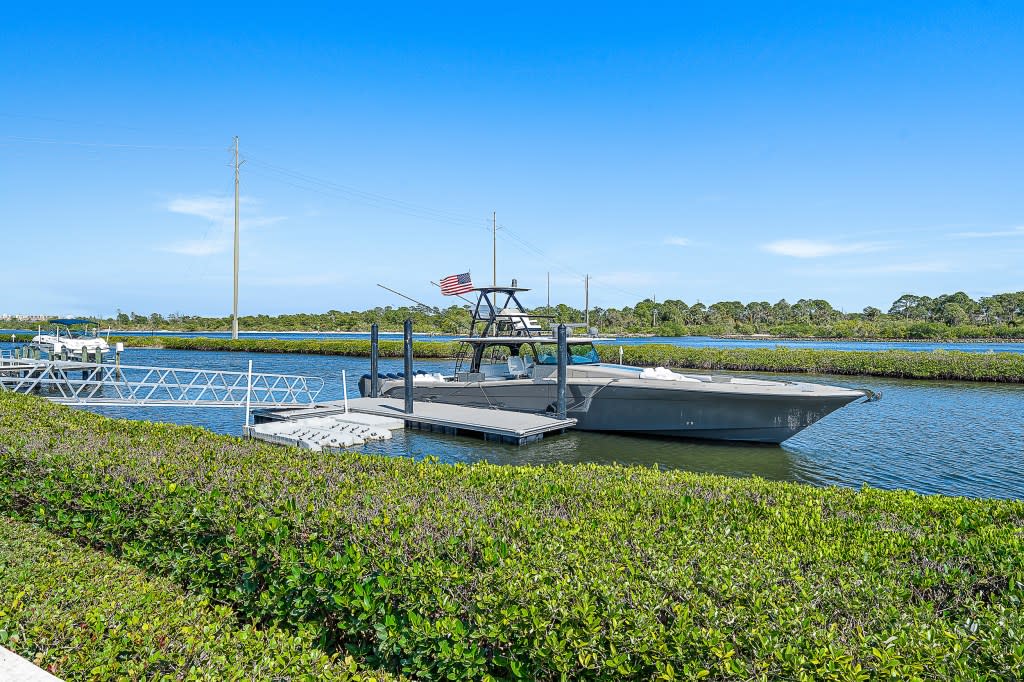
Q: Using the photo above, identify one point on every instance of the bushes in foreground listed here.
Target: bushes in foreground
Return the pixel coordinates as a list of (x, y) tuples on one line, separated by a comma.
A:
[(536, 572), (83, 615)]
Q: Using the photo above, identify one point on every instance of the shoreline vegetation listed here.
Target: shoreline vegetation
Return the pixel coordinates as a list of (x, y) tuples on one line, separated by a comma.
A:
[(897, 364), (910, 317), (481, 571)]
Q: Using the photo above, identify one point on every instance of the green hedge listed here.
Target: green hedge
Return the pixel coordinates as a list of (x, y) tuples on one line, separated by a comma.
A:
[(567, 571), (83, 615), (939, 364), (353, 347)]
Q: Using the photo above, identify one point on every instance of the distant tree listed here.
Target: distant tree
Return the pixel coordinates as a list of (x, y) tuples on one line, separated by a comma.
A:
[(954, 314), (905, 305), (871, 313), (781, 312), (697, 314), (725, 311)]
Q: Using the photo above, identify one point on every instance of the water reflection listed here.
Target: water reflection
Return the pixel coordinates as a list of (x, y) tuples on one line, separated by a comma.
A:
[(770, 462)]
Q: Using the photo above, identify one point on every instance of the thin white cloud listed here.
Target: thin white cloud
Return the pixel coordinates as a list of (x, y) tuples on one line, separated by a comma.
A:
[(677, 241), (1012, 232), (626, 279), (197, 247), (806, 248), (214, 209), (882, 269), (219, 212), (299, 280), (931, 266)]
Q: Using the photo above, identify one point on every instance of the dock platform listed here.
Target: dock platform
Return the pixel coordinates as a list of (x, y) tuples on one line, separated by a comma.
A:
[(505, 426)]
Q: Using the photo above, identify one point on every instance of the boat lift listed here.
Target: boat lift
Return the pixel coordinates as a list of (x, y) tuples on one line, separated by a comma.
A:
[(76, 382)]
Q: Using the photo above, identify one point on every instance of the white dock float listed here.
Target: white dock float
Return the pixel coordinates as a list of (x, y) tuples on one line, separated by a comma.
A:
[(329, 432)]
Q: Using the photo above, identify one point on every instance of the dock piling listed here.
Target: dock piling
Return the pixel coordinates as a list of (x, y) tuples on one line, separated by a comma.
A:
[(248, 394), (344, 389), (374, 360), (563, 352), (408, 366)]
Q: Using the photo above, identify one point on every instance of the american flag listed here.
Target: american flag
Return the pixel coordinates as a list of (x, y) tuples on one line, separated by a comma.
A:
[(456, 284)]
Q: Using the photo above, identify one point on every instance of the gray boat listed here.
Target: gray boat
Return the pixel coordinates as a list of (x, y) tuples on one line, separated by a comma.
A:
[(510, 362)]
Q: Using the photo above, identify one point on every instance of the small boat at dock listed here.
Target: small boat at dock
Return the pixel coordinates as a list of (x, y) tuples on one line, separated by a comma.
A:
[(71, 335)]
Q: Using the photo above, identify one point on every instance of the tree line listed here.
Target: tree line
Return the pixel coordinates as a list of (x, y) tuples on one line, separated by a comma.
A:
[(909, 316)]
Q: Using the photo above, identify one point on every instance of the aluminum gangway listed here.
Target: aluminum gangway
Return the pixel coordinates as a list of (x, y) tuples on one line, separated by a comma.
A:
[(90, 383)]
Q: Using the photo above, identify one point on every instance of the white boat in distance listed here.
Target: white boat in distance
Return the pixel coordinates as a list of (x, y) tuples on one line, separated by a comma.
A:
[(72, 335), (510, 363)]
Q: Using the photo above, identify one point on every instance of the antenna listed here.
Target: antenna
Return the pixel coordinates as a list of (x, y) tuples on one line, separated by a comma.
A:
[(586, 297), (494, 249), (234, 306)]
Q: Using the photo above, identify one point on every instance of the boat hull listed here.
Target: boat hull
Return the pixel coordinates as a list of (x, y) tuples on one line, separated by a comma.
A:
[(50, 344), (638, 407)]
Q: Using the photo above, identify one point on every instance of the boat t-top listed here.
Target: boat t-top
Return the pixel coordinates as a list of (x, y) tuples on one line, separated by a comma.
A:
[(510, 361), (72, 335)]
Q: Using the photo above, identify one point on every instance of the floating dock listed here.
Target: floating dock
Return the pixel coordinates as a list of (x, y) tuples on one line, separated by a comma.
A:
[(504, 426)]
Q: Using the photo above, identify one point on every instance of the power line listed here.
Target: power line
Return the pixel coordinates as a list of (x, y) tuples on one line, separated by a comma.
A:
[(318, 185), (107, 145), (377, 200)]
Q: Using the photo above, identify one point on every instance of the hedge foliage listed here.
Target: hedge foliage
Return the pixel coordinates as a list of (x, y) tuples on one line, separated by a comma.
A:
[(83, 615), (939, 364), (352, 347), (567, 571)]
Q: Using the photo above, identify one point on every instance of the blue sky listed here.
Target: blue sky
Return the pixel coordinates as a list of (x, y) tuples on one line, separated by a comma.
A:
[(712, 151)]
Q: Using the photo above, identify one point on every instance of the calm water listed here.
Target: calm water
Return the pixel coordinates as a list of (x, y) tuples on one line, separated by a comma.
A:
[(955, 438), (689, 341)]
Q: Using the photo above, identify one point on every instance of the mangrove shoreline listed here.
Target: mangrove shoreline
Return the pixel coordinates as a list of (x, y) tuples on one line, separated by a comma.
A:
[(897, 364)]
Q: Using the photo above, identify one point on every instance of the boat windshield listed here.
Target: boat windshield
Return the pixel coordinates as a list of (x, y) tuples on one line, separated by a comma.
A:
[(579, 354), (77, 332)]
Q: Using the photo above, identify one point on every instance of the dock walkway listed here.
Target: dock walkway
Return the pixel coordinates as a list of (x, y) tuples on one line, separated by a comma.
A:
[(516, 428)]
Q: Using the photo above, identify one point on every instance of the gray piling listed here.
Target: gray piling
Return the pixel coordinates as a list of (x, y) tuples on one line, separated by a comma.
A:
[(374, 359), (408, 366), (563, 357)]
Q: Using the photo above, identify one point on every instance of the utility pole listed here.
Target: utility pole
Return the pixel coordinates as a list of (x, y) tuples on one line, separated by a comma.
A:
[(494, 249), (549, 292), (654, 312), (234, 306), (586, 299)]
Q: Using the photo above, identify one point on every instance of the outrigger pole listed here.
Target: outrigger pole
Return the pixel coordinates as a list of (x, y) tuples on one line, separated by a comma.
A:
[(408, 298)]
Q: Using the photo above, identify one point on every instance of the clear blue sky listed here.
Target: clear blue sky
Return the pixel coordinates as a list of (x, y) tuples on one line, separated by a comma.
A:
[(711, 151)]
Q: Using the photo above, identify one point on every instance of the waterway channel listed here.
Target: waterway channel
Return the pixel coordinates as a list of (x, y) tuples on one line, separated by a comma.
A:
[(954, 438), (970, 346)]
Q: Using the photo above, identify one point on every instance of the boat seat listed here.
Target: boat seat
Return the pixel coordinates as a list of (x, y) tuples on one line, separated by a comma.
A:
[(516, 366), (493, 372)]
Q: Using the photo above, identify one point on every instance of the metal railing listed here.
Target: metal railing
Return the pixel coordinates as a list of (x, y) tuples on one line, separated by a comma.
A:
[(83, 383)]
